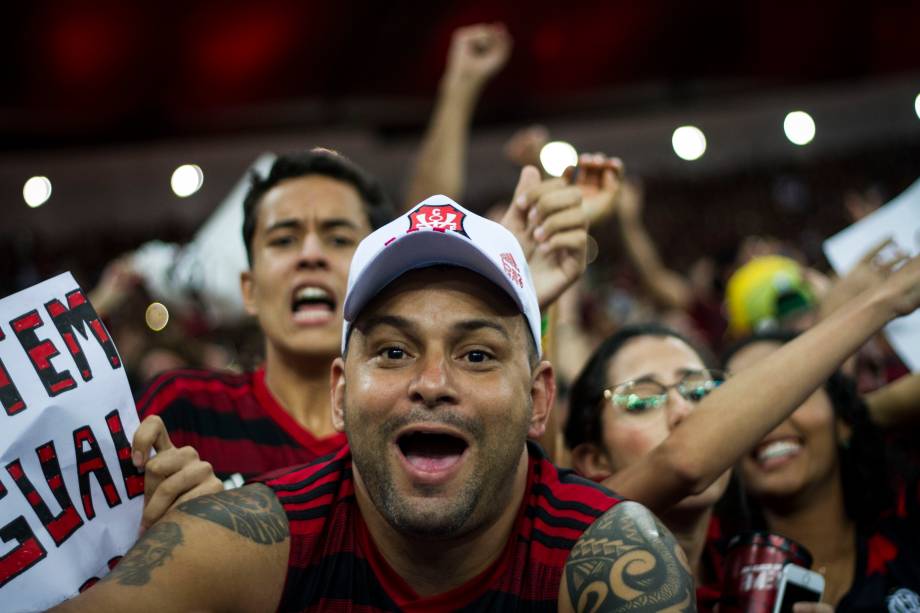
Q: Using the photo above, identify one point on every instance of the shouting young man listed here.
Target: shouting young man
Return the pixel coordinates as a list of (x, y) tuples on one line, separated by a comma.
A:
[(438, 502)]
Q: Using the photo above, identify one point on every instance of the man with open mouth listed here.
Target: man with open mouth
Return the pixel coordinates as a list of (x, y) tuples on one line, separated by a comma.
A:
[(438, 502), (301, 225)]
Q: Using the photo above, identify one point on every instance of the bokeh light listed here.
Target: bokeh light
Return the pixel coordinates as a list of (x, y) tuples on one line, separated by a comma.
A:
[(557, 156), (689, 143), (36, 191), (799, 127), (157, 316), (186, 180)]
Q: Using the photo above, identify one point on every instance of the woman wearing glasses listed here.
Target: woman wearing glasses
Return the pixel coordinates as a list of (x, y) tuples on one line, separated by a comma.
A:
[(670, 445), (617, 432)]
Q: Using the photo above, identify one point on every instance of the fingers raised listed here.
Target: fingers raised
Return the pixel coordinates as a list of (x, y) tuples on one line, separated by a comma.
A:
[(150, 435)]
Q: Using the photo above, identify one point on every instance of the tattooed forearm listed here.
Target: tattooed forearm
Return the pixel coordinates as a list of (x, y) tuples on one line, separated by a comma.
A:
[(151, 551), (253, 512), (628, 561)]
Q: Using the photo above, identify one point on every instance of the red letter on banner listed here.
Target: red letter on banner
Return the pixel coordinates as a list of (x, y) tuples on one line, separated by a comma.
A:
[(65, 523), (40, 353), (91, 462), (25, 555), (134, 480), (9, 395), (75, 319)]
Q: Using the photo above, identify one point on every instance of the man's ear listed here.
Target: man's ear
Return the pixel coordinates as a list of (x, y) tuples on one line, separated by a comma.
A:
[(337, 390), (542, 397), (247, 290), (591, 461)]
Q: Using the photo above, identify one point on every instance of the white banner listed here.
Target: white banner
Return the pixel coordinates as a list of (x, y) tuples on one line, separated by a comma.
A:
[(70, 499), (899, 220)]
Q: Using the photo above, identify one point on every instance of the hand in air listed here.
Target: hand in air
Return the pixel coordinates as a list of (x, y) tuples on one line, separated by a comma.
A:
[(549, 221), (871, 270), (600, 179), (476, 53)]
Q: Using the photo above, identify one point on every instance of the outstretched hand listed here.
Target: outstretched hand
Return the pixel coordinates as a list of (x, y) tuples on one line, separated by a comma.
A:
[(550, 223), (173, 475), (901, 290), (871, 270), (477, 53)]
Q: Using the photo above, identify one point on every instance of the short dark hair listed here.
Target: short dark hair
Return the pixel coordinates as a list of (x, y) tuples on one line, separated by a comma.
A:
[(863, 461), (316, 161), (584, 420)]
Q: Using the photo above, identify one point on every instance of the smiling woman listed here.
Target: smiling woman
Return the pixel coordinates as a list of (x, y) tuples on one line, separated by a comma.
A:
[(820, 478)]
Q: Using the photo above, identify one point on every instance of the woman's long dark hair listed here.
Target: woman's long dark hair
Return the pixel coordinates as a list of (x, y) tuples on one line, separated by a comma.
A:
[(867, 490)]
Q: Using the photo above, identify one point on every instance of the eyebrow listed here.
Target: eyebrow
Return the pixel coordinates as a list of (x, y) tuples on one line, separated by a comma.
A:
[(472, 325), (284, 224), (337, 222), (375, 321), (409, 328), (325, 224), (680, 372)]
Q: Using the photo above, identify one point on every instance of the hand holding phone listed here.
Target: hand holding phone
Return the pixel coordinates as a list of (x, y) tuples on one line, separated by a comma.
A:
[(797, 584)]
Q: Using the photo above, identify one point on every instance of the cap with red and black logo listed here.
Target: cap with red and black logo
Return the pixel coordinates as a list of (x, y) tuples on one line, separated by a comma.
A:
[(440, 218), (440, 232)]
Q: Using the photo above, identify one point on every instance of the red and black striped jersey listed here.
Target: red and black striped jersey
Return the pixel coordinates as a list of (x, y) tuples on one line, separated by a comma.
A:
[(335, 565), (233, 421)]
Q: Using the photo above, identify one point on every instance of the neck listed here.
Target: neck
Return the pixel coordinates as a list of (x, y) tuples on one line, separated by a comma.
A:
[(817, 519), (301, 385), (691, 528), (434, 567)]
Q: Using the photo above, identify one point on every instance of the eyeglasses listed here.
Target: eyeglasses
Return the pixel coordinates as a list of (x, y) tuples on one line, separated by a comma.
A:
[(643, 396)]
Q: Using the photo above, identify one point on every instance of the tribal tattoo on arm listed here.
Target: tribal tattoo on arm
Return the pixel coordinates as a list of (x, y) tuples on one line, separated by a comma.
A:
[(253, 512), (151, 551), (628, 561)]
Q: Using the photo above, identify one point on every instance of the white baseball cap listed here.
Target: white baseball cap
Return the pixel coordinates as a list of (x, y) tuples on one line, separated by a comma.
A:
[(440, 232)]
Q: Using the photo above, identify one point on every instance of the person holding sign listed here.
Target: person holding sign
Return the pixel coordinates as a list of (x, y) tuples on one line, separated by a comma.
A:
[(439, 500)]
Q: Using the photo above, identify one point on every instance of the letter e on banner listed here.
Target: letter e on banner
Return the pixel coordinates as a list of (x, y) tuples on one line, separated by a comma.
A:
[(40, 353)]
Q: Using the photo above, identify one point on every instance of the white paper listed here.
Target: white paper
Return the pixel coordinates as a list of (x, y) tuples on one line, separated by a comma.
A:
[(899, 220), (80, 398)]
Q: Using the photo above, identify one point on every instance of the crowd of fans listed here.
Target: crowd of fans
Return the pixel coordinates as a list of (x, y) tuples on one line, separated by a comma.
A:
[(818, 447)]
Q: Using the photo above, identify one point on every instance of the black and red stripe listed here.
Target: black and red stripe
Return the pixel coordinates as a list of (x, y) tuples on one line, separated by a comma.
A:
[(233, 421), (334, 564)]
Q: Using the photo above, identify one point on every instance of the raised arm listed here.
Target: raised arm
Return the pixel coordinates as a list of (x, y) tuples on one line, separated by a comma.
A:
[(627, 561), (476, 53), (667, 287), (223, 552), (730, 421)]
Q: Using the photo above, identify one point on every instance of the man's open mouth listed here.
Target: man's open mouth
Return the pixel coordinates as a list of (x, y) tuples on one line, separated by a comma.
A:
[(313, 304), (431, 452)]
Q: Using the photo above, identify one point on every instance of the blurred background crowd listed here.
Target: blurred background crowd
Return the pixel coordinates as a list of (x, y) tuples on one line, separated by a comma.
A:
[(139, 119)]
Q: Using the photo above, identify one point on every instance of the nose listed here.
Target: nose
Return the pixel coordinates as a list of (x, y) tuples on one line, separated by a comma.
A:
[(678, 408), (312, 254), (431, 384)]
